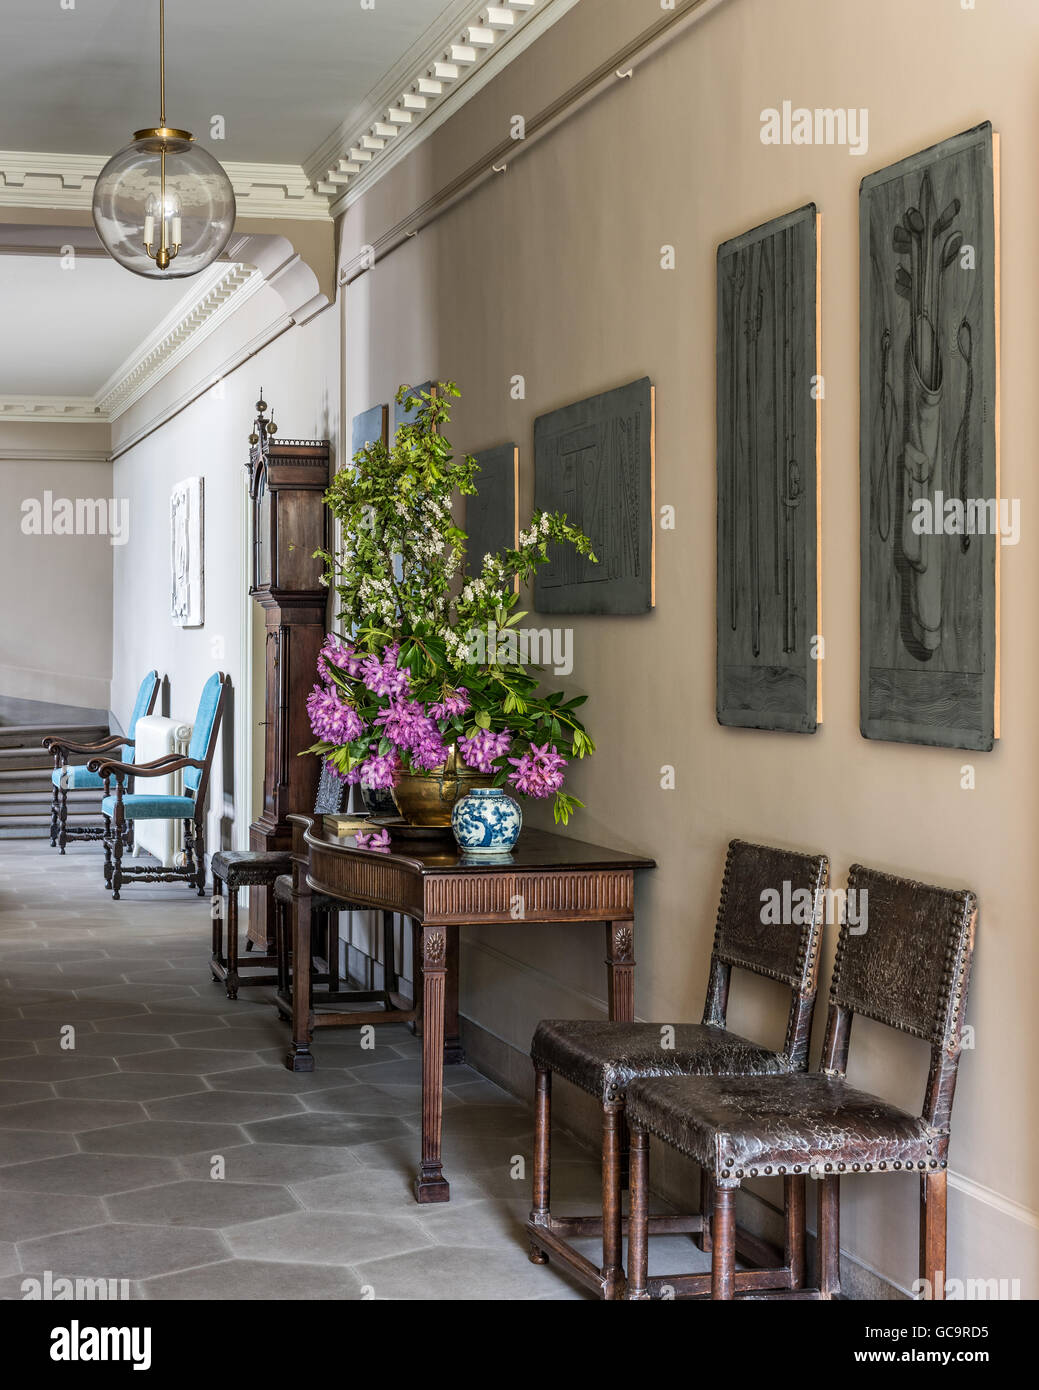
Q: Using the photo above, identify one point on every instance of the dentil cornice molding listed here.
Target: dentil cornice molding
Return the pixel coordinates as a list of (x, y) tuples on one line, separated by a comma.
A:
[(470, 45), (35, 179)]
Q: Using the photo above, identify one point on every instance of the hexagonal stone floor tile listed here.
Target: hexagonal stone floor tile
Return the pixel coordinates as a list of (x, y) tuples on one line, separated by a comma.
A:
[(88, 1175), (326, 1238), (190, 1061), (163, 1138), (215, 1204), (277, 1163), (312, 1128), (14, 1092), (27, 1214), (123, 1085), (256, 1280), (225, 1107), (123, 1251), (70, 1116)]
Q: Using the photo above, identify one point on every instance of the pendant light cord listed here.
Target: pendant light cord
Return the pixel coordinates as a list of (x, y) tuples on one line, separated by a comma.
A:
[(162, 63)]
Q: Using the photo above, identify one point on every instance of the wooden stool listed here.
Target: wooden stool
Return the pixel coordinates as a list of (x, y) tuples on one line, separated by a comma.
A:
[(235, 869), (340, 1012)]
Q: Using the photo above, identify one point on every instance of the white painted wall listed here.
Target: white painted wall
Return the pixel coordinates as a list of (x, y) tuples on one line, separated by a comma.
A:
[(299, 373), (56, 636)]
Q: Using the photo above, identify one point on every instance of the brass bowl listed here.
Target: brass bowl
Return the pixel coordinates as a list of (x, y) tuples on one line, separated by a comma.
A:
[(429, 798)]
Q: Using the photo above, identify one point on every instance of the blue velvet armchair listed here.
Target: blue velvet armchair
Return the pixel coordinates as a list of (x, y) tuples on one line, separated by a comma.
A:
[(121, 805), (78, 777)]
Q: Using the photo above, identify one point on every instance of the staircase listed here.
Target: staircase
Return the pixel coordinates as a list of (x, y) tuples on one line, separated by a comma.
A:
[(26, 766)]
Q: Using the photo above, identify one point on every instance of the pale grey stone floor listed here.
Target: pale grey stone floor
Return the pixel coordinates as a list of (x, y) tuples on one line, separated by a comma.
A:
[(108, 1150)]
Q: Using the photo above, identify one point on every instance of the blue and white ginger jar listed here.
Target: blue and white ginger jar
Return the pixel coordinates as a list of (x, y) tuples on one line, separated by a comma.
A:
[(486, 822)]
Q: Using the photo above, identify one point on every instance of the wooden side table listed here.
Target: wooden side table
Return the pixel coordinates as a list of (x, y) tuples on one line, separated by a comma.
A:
[(547, 878)]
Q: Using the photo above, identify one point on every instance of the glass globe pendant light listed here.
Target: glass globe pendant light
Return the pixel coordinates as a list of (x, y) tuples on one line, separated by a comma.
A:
[(163, 207)]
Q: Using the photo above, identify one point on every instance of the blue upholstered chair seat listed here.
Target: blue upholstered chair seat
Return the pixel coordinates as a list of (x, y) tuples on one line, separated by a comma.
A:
[(142, 807), (77, 779)]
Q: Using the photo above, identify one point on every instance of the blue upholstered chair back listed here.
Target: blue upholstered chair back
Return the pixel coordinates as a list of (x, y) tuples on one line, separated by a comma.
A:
[(202, 734), (140, 709)]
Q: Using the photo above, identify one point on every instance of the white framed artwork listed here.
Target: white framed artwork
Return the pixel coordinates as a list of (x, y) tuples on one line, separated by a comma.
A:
[(187, 541)]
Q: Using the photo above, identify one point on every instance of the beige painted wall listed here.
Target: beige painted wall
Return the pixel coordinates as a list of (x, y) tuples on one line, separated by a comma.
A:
[(56, 638), (553, 271)]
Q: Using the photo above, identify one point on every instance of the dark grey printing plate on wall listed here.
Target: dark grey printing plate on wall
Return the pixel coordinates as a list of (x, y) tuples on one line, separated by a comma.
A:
[(928, 437), (768, 396), (492, 512), (594, 461)]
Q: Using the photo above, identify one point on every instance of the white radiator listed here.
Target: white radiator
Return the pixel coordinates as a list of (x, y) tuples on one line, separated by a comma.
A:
[(155, 738)]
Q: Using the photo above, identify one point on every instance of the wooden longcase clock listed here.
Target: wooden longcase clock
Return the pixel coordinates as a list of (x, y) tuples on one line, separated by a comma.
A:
[(287, 483)]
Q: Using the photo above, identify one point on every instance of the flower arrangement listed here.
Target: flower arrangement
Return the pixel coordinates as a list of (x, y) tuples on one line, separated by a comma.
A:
[(429, 667)]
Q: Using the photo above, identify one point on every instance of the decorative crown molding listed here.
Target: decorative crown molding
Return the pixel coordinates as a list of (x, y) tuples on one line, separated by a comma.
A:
[(30, 178), (214, 296), (470, 45), (50, 409), (224, 289)]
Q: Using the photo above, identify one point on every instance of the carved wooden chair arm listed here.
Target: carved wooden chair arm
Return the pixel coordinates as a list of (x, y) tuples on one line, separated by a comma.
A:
[(54, 744), (158, 767)]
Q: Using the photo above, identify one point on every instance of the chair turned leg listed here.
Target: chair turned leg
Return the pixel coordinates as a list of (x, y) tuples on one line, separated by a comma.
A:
[(932, 1234), (723, 1253), (200, 858), (794, 1215), (232, 942), (539, 1213), (217, 909), (117, 850), (612, 1268), (829, 1237), (638, 1219), (703, 1240), (54, 814), (63, 815)]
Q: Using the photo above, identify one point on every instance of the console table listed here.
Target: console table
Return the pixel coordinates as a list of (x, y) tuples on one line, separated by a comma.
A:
[(547, 878)]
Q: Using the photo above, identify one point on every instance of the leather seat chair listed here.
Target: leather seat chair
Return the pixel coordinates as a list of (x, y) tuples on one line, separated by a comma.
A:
[(909, 969), (604, 1058)]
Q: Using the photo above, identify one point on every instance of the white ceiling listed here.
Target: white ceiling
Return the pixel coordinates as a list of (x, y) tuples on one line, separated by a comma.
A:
[(66, 331), (282, 73)]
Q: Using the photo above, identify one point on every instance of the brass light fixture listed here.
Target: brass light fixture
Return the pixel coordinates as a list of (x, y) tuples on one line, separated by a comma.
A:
[(163, 207)]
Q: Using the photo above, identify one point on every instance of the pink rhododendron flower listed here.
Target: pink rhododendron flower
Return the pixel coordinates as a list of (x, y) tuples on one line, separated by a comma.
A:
[(538, 772), (379, 772), (384, 677), (378, 840), (455, 703), (481, 750), (331, 718), (340, 654)]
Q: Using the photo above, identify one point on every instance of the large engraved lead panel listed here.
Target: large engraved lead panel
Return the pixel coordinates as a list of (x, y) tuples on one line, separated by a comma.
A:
[(594, 461), (928, 467), (768, 395)]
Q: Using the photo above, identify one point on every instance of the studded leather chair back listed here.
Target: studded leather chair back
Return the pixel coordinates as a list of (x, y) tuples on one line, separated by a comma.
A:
[(904, 962), (769, 922)]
